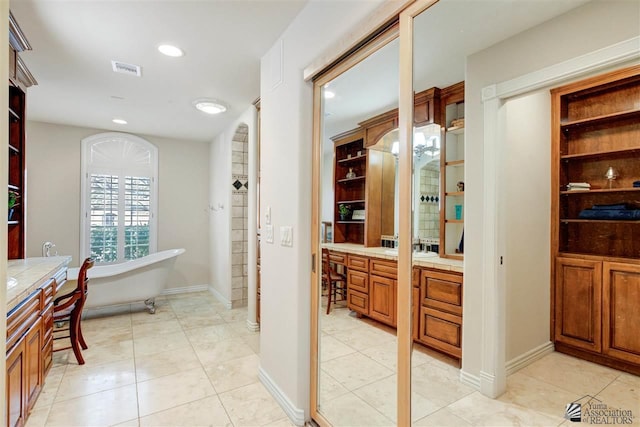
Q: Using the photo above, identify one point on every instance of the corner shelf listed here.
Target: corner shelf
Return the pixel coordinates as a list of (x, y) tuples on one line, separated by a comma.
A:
[(600, 154), (600, 191), (454, 221), (353, 159), (454, 193), (454, 163), (350, 222), (598, 120), (345, 202), (459, 130), (348, 180)]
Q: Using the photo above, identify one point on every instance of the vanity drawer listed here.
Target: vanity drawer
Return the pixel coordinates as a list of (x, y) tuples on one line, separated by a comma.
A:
[(358, 301), (442, 331), (23, 317), (60, 277), (358, 263), (48, 290), (442, 291), (358, 281), (338, 258), (384, 268)]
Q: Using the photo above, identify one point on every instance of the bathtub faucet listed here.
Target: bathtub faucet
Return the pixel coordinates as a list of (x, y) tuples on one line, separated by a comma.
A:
[(46, 249)]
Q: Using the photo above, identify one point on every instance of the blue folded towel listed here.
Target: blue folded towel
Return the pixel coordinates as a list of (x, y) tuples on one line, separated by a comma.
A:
[(621, 214), (619, 206)]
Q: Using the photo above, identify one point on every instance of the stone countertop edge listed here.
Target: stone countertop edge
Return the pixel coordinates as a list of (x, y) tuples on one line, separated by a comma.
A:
[(30, 274)]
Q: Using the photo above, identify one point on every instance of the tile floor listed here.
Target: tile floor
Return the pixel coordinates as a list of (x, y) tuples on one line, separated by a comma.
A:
[(358, 381), (193, 363)]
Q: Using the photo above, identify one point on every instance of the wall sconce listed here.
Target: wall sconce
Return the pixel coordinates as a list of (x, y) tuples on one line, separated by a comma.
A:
[(611, 175)]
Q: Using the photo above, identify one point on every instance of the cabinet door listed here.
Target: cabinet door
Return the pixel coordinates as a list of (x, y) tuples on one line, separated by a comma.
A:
[(382, 299), (578, 302), (33, 356), (441, 330), (442, 291), (620, 313), (16, 379), (415, 333)]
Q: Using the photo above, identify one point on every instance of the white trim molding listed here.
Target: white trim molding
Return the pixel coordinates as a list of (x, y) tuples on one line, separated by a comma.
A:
[(185, 290), (494, 369), (227, 303), (471, 380), (253, 326), (296, 415), (527, 358)]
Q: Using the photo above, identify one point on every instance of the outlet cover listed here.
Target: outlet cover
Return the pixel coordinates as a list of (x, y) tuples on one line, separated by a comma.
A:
[(268, 233), (286, 235)]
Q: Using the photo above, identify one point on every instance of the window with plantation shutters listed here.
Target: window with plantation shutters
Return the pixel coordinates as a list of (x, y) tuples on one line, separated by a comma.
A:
[(119, 197)]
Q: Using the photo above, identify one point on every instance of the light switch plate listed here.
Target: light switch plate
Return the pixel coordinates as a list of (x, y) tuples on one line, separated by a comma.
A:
[(268, 233), (267, 215), (286, 235)]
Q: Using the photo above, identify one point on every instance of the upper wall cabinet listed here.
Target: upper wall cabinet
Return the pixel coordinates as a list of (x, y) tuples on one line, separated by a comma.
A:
[(19, 79)]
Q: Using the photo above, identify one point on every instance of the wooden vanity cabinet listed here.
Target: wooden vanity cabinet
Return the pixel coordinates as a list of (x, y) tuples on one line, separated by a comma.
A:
[(358, 284), (383, 291)]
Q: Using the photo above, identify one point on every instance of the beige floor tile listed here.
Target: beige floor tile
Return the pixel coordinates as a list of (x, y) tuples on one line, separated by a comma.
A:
[(101, 354), (107, 336), (330, 388), (442, 418), (234, 315), (203, 336), (204, 412), (351, 411), (630, 379), (173, 390), (234, 373), (240, 328), (38, 417), (95, 378), (355, 370), (480, 410), (569, 373), (330, 348), (231, 330), (624, 396), (532, 393), (130, 423), (253, 341), (335, 323), (251, 405), (160, 327), (362, 338), (437, 385), (99, 409), (104, 320), (50, 388), (200, 320), (166, 363), (160, 343), (222, 351), (284, 422), (163, 312), (387, 354)]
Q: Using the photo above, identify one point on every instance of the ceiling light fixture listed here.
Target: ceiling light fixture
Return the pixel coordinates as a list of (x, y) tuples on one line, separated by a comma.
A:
[(119, 121), (170, 50), (210, 106)]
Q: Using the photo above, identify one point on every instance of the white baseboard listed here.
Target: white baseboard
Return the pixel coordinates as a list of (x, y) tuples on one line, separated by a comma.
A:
[(471, 380), (296, 415), (253, 326), (185, 290), (517, 363), (227, 303)]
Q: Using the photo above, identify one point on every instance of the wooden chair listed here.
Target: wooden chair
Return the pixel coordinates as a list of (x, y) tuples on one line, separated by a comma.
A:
[(68, 308), (331, 278)]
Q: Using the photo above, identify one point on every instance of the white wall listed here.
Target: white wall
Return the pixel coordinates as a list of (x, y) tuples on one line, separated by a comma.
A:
[(220, 193), (286, 130), (53, 197), (582, 30)]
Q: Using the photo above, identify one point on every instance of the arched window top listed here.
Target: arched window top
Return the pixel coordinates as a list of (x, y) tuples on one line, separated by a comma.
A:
[(119, 150)]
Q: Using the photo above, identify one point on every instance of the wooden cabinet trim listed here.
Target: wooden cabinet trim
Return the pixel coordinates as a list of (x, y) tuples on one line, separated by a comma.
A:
[(23, 317), (358, 281), (358, 301)]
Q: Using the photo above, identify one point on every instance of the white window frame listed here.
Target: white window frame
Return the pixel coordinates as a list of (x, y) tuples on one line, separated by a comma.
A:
[(122, 170)]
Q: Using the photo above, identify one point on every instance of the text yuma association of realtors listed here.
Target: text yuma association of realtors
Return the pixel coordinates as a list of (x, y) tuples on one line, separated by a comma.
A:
[(599, 413)]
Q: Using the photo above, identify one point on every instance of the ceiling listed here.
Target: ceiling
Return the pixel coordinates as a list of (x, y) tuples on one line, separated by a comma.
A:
[(444, 36), (74, 43)]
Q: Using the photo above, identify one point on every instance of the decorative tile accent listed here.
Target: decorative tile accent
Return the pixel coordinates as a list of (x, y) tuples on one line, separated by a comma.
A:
[(240, 184)]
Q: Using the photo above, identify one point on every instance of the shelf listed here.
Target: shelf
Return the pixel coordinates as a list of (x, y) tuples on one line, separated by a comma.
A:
[(13, 116), (346, 202), (454, 221), (456, 130), (13, 187), (353, 159), (13, 150), (596, 120), (454, 193), (350, 222), (13, 222), (455, 163), (600, 191), (348, 180), (599, 221), (608, 153)]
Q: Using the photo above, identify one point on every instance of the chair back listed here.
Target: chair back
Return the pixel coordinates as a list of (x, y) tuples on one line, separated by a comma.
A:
[(83, 280), (326, 268)]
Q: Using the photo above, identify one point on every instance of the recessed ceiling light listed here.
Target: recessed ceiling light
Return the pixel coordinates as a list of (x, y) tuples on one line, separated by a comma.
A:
[(170, 50), (119, 121), (210, 106), (328, 94)]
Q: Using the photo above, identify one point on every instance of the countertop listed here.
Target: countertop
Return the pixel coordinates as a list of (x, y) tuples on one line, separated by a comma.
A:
[(387, 253), (26, 275)]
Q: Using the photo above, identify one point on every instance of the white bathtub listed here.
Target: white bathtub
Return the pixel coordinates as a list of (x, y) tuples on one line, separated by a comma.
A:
[(141, 279)]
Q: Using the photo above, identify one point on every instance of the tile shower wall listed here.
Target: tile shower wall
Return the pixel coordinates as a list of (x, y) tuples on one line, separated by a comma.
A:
[(429, 226), (239, 217)]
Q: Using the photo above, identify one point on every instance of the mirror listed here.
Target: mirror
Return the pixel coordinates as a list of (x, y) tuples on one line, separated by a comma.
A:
[(356, 373)]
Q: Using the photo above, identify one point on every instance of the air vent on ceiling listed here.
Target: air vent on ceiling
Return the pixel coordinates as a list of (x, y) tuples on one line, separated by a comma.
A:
[(124, 68)]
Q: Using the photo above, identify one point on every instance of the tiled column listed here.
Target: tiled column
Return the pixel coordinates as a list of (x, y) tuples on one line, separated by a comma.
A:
[(239, 234)]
